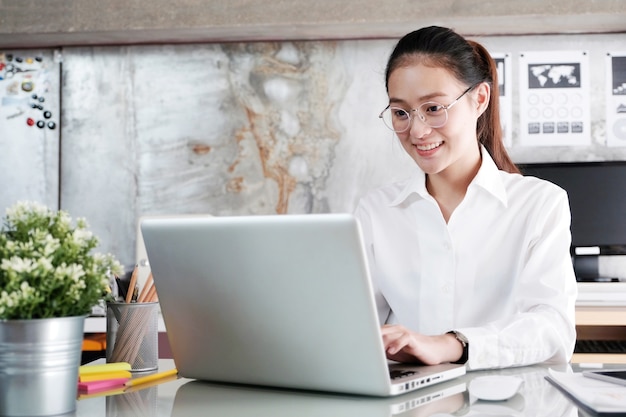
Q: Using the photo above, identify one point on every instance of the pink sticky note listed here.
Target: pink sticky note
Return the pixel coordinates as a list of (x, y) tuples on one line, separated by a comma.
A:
[(93, 386)]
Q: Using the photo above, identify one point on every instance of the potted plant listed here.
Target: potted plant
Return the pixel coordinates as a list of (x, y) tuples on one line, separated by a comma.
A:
[(49, 281)]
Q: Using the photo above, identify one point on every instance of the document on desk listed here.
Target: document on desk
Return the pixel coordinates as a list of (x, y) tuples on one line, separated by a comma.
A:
[(599, 397)]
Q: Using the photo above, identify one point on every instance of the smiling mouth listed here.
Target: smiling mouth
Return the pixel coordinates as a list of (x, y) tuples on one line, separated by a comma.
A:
[(428, 146)]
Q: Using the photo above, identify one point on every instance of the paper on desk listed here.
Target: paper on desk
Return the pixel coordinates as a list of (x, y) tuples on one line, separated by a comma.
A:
[(600, 396)]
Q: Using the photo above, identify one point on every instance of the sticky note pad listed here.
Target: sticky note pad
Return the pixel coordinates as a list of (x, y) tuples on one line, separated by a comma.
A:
[(93, 386), (104, 375), (106, 367)]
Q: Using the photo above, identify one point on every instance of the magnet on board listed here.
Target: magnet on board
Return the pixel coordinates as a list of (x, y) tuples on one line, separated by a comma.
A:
[(47, 114), (30, 121), (28, 86), (51, 125), (41, 124)]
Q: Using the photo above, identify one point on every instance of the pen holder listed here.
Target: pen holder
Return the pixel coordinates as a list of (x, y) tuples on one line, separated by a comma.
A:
[(132, 335)]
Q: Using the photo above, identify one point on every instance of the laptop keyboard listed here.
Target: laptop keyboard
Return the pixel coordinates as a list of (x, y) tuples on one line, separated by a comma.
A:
[(600, 346), (399, 373)]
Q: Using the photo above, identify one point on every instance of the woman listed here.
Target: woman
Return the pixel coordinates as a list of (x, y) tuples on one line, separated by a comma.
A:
[(470, 259)]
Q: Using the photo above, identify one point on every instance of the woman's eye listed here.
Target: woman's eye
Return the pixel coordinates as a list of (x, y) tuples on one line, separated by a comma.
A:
[(433, 108), (399, 113)]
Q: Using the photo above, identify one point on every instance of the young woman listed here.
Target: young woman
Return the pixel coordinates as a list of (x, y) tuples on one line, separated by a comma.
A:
[(469, 258)]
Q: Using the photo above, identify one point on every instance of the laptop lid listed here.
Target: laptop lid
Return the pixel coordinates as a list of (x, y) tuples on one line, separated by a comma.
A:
[(282, 300)]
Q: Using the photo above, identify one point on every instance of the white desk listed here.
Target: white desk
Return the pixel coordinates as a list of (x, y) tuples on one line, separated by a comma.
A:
[(187, 398)]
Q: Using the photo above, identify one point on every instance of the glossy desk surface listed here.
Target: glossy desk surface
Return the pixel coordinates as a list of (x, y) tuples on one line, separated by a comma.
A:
[(186, 398)]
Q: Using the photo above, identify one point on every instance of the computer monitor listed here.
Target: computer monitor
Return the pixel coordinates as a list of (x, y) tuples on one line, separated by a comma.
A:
[(597, 196)]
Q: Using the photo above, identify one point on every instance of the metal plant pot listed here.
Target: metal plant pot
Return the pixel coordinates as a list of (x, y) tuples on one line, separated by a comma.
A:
[(39, 361)]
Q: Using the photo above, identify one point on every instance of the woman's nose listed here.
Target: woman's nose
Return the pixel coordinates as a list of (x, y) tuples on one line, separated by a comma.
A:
[(418, 128)]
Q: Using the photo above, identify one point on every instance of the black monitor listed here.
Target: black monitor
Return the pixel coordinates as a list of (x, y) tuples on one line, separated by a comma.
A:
[(597, 196)]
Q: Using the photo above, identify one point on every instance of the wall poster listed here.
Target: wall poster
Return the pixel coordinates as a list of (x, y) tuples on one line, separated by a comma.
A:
[(505, 80), (616, 99), (554, 98)]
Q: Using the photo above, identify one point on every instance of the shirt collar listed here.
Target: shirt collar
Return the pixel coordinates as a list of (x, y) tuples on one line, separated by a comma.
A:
[(487, 178)]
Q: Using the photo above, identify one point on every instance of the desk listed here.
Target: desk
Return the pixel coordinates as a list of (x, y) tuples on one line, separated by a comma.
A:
[(187, 398), (600, 323)]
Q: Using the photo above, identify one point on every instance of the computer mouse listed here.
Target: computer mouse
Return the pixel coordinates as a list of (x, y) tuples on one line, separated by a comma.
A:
[(494, 387)]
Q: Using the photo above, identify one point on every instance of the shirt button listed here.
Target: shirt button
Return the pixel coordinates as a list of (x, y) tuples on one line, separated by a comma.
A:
[(447, 288)]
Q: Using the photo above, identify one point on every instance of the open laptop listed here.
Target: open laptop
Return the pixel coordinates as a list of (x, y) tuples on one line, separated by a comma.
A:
[(282, 301)]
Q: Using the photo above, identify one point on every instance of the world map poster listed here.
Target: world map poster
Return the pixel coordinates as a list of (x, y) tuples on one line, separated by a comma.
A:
[(554, 98)]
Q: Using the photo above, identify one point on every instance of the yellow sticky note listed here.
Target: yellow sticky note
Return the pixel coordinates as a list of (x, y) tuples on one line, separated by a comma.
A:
[(103, 376), (107, 367)]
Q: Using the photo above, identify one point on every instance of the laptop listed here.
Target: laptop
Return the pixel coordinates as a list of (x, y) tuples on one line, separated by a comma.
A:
[(275, 300)]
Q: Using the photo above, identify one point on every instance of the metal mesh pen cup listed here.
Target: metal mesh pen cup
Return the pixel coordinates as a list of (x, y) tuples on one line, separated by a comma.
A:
[(132, 335)]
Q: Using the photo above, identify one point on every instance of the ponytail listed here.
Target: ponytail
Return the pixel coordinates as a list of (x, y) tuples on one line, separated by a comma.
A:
[(489, 129)]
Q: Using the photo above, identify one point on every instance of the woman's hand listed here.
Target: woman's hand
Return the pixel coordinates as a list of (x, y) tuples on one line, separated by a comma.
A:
[(403, 345)]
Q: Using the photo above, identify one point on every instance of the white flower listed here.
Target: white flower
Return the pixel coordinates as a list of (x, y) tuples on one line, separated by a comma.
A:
[(80, 236), (51, 245), (18, 264), (22, 209), (44, 264)]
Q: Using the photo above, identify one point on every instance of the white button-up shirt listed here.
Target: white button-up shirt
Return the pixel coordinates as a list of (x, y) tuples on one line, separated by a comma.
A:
[(499, 271)]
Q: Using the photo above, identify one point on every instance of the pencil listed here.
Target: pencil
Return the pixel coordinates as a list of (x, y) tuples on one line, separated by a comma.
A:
[(150, 378), (147, 286), (150, 384), (131, 286)]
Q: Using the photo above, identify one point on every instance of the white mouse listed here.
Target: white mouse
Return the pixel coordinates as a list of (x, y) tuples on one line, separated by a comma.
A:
[(494, 387)]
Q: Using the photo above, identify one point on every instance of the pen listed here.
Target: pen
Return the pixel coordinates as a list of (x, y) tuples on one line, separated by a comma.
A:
[(150, 378)]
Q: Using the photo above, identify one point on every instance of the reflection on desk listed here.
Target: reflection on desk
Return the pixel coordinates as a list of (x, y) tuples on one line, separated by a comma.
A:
[(186, 398), (201, 398)]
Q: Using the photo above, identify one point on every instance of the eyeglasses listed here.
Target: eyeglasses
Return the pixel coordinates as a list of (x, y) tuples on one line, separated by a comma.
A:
[(431, 113)]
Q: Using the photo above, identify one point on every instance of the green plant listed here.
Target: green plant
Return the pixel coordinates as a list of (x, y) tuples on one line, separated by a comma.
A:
[(47, 268)]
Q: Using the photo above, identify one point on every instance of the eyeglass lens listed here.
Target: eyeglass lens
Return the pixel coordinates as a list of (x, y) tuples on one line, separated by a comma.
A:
[(430, 113)]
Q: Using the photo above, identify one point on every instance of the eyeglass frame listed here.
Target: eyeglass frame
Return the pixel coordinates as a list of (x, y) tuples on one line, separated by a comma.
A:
[(416, 110)]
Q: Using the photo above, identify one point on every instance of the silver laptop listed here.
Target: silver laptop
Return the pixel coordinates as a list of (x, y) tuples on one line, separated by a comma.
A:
[(281, 301)]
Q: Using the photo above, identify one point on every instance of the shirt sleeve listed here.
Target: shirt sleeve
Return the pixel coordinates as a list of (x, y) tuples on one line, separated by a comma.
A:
[(543, 328)]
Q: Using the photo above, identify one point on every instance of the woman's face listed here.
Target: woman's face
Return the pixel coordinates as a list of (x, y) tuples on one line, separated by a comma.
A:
[(452, 147)]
